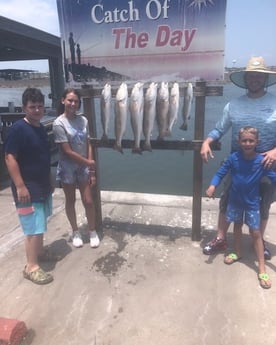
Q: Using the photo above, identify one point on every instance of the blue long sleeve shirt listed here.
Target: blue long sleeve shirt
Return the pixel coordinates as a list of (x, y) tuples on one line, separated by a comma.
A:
[(245, 111), (246, 176)]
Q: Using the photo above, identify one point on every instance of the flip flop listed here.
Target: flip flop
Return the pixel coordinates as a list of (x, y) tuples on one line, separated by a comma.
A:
[(231, 258), (264, 280)]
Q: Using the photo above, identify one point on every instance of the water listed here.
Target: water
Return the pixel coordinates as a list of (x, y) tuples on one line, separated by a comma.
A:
[(159, 171)]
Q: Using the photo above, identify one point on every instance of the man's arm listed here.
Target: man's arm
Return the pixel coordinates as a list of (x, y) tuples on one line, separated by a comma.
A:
[(221, 127)]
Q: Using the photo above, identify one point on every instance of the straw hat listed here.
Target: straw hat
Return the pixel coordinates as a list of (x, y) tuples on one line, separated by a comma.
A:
[(255, 64)]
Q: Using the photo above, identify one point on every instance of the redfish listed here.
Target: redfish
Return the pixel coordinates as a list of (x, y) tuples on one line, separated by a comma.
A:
[(187, 106), (149, 114), (105, 109), (162, 109), (136, 114), (121, 111), (173, 107)]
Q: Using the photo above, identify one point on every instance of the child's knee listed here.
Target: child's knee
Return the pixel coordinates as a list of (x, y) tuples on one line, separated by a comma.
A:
[(87, 202), (256, 235)]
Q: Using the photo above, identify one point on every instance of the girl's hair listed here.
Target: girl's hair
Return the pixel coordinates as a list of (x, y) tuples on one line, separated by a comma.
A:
[(32, 94), (60, 107), (249, 129)]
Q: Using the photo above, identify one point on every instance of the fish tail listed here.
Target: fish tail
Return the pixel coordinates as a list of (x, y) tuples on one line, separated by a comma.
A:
[(118, 148), (184, 126), (104, 137), (168, 133), (160, 138), (147, 147), (137, 150)]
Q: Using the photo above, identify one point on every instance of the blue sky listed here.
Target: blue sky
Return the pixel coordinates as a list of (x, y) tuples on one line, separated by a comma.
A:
[(250, 28)]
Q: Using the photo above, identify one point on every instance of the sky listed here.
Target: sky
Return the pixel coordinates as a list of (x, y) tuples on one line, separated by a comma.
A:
[(250, 28)]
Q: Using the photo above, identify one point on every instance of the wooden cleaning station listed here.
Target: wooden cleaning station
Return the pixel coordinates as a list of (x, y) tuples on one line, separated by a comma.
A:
[(201, 91)]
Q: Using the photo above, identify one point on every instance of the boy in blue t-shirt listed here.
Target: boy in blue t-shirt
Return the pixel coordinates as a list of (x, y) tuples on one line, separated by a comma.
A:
[(27, 156), (243, 206)]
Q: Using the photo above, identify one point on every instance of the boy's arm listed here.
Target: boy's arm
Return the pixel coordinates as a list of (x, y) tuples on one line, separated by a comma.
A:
[(217, 178), (23, 194)]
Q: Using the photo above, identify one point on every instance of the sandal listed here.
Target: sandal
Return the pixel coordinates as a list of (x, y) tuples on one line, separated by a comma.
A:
[(231, 258), (48, 256), (38, 276), (264, 280)]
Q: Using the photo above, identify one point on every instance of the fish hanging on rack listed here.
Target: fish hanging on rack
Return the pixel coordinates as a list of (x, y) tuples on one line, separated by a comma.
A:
[(121, 109), (149, 114), (173, 107), (105, 109), (187, 106), (136, 114), (162, 109)]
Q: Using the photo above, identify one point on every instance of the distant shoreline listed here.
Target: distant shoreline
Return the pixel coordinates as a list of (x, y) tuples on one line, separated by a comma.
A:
[(42, 82), (45, 82)]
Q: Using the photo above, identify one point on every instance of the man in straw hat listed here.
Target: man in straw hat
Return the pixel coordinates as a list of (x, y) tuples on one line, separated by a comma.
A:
[(256, 108)]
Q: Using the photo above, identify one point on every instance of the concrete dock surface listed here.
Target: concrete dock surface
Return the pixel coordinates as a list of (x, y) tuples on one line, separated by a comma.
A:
[(147, 284)]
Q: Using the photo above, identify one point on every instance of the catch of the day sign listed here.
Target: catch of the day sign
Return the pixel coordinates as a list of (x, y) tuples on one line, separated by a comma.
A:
[(158, 105), (127, 38), (145, 40)]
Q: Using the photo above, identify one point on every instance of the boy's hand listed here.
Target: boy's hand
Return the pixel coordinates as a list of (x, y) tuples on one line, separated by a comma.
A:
[(210, 192), (23, 194)]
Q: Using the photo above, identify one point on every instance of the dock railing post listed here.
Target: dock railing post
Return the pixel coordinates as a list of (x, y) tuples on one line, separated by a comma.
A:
[(200, 88)]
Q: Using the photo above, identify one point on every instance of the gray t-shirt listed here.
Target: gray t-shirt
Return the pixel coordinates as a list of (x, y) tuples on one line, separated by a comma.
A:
[(73, 131)]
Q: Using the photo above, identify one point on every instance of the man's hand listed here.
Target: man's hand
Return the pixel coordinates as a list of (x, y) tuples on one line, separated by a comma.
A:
[(269, 158), (206, 150)]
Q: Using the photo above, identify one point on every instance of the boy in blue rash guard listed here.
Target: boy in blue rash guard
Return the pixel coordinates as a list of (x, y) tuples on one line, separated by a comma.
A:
[(256, 108), (245, 166), (27, 155)]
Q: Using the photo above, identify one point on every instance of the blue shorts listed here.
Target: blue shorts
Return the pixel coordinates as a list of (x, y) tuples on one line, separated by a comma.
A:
[(251, 218), (267, 191), (33, 216)]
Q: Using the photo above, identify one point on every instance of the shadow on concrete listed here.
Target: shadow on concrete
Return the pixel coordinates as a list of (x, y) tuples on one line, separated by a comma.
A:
[(29, 337), (59, 248), (172, 233)]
